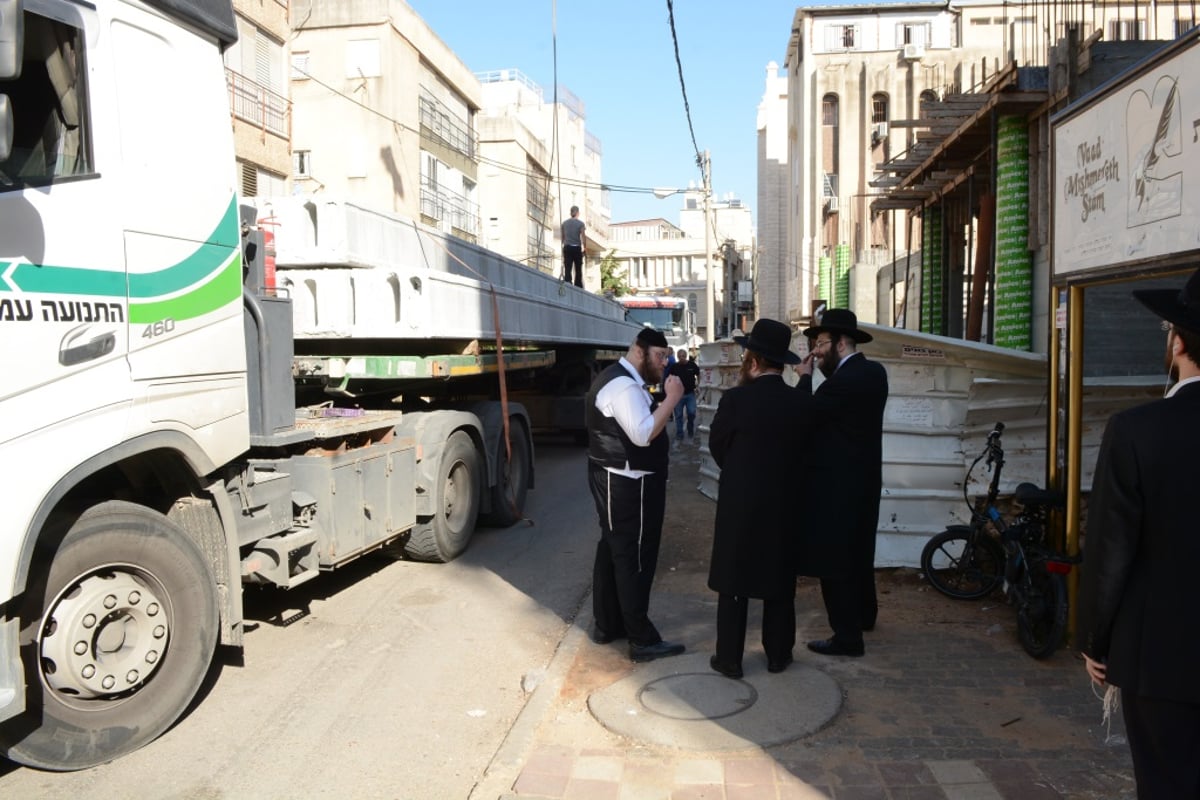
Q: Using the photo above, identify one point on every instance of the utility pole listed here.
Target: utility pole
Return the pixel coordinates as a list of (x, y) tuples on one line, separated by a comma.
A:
[(710, 278)]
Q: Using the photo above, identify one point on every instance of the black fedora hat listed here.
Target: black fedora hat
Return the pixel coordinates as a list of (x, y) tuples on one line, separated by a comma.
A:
[(772, 340), (841, 321), (1180, 308)]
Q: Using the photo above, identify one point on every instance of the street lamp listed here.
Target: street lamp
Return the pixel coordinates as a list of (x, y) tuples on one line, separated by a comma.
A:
[(709, 277)]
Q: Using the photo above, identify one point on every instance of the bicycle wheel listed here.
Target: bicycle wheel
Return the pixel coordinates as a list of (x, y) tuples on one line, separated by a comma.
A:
[(1042, 612), (963, 564)]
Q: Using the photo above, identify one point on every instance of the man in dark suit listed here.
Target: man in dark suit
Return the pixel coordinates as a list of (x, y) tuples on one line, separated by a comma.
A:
[(844, 478), (755, 438), (1139, 617)]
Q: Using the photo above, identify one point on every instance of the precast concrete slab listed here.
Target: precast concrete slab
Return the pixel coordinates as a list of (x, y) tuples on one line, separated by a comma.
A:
[(680, 702)]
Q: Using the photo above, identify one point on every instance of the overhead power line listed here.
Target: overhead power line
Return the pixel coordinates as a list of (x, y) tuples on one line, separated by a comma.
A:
[(682, 86)]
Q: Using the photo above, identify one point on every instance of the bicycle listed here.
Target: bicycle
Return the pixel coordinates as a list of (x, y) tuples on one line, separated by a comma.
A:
[(968, 562)]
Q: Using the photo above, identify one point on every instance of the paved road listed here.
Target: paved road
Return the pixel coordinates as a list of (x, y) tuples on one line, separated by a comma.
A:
[(384, 680)]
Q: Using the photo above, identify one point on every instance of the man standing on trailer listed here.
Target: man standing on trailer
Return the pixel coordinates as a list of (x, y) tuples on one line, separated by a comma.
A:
[(628, 452), (1139, 617), (572, 249)]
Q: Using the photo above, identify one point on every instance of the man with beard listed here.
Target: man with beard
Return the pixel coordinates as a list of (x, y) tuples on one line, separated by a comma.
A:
[(628, 451), (755, 438), (845, 475), (1139, 619)]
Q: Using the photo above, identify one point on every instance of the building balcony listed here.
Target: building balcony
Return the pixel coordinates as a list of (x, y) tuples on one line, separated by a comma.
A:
[(257, 105), (439, 125), (449, 211)]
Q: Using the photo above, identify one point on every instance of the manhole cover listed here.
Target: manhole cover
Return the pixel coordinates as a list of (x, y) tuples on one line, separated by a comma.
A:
[(694, 695)]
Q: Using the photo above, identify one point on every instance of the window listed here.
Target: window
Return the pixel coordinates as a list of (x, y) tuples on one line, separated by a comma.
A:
[(1182, 26), (912, 33), (879, 120), (300, 68), (301, 164), (927, 97), (49, 111), (362, 58), (879, 108), (841, 37), (1126, 30), (829, 134), (829, 110)]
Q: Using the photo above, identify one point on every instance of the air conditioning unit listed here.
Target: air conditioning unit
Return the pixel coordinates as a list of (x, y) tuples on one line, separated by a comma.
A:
[(914, 52), (879, 132), (831, 205)]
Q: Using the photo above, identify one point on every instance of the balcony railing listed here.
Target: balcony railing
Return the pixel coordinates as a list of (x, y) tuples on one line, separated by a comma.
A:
[(252, 102), (442, 206), (439, 124)]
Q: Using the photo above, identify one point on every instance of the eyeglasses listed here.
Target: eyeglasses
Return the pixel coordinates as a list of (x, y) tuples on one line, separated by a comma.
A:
[(819, 343), (660, 356)]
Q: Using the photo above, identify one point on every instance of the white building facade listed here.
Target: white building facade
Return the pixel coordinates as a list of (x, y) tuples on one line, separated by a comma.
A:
[(657, 257), (384, 113)]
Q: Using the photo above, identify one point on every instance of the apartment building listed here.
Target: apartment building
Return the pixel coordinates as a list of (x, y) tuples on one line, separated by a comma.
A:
[(256, 74), (914, 127), (384, 113), (777, 274)]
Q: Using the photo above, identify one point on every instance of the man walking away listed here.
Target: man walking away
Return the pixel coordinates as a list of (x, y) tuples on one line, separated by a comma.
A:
[(755, 439), (628, 451), (573, 241), (1139, 616), (844, 478)]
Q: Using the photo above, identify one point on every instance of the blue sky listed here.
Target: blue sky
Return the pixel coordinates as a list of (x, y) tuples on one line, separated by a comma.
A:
[(617, 56)]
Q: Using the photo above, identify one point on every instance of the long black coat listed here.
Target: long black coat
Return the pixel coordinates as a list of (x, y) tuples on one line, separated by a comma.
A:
[(1138, 606), (844, 473), (755, 438)]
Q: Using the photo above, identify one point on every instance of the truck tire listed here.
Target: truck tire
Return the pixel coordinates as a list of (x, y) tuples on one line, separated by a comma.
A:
[(459, 480), (512, 478), (115, 641)]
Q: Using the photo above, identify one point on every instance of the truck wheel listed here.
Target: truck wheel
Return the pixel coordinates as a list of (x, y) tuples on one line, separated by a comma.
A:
[(512, 484), (116, 641), (459, 479)]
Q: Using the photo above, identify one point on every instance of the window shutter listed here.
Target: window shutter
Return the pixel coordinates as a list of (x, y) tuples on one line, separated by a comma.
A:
[(249, 180)]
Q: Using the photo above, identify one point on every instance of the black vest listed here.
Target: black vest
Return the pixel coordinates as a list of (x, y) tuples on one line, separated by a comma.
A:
[(608, 444)]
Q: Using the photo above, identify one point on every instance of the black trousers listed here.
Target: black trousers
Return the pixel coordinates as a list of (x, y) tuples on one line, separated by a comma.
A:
[(631, 519), (778, 627), (573, 256), (1164, 739), (850, 599)]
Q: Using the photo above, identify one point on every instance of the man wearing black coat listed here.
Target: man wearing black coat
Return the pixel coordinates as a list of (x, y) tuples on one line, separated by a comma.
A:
[(844, 478), (1139, 618), (755, 438)]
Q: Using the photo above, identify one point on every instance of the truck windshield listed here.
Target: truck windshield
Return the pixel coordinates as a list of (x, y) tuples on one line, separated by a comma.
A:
[(664, 319)]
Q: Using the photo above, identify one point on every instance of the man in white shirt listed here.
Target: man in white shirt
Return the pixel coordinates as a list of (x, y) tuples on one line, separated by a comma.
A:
[(628, 453)]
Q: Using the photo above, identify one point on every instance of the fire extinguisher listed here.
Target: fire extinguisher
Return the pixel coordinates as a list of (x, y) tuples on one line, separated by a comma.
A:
[(266, 224)]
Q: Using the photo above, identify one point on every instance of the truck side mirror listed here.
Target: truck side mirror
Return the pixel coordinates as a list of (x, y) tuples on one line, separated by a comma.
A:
[(12, 38)]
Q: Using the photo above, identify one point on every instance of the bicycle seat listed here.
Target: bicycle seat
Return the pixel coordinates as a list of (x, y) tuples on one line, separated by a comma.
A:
[(1029, 495)]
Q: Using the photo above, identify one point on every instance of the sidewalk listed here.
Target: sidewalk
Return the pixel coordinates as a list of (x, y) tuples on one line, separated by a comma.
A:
[(945, 704)]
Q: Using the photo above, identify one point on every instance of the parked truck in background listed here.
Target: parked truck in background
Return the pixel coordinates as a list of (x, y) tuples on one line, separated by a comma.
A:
[(663, 312), (157, 458)]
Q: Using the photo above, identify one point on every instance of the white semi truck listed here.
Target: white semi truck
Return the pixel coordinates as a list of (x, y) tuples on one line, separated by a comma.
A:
[(155, 456)]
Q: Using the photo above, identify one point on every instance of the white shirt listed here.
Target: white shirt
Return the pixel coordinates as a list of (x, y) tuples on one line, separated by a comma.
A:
[(626, 400), (1182, 383)]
